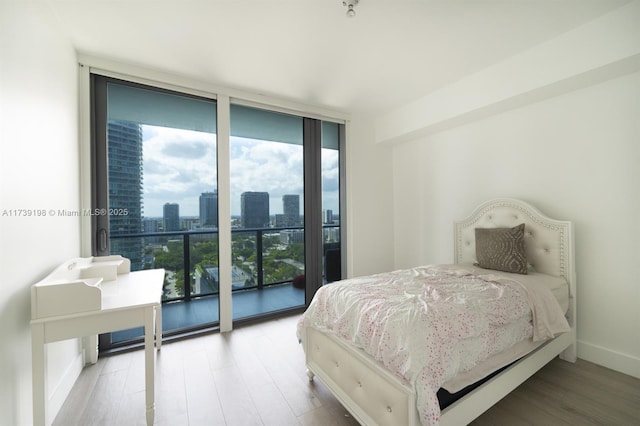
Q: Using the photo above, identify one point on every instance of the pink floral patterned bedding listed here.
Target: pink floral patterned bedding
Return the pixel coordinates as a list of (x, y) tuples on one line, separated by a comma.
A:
[(428, 324)]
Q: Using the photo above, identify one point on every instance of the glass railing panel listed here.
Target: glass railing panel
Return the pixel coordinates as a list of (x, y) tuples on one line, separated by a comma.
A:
[(203, 259), (153, 251), (268, 266), (331, 259), (282, 255), (168, 253), (274, 259), (245, 268)]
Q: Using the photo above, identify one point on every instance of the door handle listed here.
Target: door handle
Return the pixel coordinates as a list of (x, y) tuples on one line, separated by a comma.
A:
[(102, 240)]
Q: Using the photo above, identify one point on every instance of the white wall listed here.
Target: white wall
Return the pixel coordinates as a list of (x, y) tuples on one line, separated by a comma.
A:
[(596, 51), (369, 204), (556, 126), (575, 157), (38, 170)]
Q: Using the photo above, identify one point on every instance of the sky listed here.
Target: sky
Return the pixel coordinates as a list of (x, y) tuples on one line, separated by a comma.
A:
[(178, 165)]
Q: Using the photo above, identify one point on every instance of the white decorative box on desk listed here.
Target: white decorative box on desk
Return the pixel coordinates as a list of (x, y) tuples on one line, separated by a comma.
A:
[(89, 296), (75, 286)]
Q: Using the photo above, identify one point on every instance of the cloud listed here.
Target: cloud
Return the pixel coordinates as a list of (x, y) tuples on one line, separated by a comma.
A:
[(273, 167), (186, 149), (330, 171), (179, 165)]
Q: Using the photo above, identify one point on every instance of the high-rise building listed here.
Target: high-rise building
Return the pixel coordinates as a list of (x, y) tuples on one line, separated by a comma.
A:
[(209, 209), (328, 216), (291, 209), (125, 189), (151, 226), (254, 209), (290, 236), (171, 216)]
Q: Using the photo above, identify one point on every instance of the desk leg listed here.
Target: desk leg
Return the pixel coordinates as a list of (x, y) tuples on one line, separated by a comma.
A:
[(39, 380), (159, 326), (149, 363)]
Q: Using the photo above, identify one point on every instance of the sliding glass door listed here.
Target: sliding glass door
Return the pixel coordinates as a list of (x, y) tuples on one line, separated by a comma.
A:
[(155, 175), (267, 199), (155, 178)]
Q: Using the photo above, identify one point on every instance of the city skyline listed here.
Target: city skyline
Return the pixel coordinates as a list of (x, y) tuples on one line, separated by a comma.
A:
[(179, 165), (290, 206)]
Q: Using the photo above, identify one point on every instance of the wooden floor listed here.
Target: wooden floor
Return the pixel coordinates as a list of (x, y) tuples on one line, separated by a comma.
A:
[(256, 376)]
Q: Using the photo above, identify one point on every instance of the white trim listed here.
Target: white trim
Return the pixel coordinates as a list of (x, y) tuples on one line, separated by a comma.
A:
[(224, 214), (621, 362), (84, 148), (59, 394), (168, 81)]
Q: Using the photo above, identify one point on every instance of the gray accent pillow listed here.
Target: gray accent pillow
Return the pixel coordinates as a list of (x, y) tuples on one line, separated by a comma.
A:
[(501, 249)]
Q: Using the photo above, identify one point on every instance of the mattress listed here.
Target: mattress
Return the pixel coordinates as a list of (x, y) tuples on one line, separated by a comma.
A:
[(557, 285)]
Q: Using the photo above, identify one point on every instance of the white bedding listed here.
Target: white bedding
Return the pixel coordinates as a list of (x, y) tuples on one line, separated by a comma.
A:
[(558, 287), (428, 324)]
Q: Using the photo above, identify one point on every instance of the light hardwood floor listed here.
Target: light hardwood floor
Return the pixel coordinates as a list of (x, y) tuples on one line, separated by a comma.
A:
[(255, 375)]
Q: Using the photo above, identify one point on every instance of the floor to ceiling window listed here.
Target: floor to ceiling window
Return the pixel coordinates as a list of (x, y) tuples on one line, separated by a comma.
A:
[(267, 198), (155, 173), (155, 160)]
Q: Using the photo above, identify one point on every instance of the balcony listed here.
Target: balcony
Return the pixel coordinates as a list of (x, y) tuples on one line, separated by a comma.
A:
[(265, 262)]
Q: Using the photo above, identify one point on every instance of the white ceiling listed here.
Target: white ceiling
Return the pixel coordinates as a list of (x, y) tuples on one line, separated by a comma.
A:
[(392, 52)]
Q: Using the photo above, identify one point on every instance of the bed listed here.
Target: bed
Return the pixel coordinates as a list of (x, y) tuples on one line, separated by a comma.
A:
[(383, 380)]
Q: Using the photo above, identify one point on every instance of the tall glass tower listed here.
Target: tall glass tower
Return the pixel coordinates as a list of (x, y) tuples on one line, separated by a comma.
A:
[(291, 209), (124, 140), (209, 209), (254, 209), (171, 216)]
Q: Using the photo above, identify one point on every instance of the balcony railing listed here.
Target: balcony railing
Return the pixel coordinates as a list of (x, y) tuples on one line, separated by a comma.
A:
[(196, 251), (255, 253)]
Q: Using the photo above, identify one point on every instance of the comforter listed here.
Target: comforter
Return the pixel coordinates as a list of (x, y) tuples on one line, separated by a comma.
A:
[(429, 323)]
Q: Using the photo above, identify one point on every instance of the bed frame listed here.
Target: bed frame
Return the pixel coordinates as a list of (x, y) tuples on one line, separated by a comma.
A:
[(376, 397)]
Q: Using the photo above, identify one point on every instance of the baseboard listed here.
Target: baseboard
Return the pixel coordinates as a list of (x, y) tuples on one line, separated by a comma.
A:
[(62, 389), (623, 363)]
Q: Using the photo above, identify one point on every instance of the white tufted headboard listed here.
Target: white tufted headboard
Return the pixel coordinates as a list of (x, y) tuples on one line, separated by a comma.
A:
[(548, 242)]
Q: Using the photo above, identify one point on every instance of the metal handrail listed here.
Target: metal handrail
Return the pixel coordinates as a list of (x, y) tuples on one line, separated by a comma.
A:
[(186, 235)]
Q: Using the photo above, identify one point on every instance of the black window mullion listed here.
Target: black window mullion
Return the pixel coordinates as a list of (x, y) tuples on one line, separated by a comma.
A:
[(312, 206), (343, 199), (99, 172)]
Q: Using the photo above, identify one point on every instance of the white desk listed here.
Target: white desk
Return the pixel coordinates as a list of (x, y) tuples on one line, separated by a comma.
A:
[(132, 300)]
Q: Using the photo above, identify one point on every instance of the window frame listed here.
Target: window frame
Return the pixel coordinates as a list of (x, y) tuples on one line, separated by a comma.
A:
[(224, 97)]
